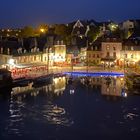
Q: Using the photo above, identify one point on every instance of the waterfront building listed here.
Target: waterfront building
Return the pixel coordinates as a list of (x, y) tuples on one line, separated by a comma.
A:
[(111, 51), (83, 55), (59, 49), (13, 54), (130, 54), (94, 54)]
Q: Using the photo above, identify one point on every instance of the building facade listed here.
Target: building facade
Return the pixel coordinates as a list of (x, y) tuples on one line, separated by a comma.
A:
[(111, 52)]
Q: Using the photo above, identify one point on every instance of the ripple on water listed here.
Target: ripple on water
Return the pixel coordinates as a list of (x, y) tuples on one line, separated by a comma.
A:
[(57, 115), (130, 116)]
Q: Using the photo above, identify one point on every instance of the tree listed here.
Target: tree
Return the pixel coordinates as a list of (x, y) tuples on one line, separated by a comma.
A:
[(28, 31), (61, 29), (93, 33)]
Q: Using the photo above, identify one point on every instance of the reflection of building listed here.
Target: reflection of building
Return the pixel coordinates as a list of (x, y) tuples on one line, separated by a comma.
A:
[(59, 84), (111, 86), (57, 87), (24, 89)]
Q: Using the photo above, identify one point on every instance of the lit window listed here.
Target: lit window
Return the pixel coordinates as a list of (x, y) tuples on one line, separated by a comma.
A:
[(107, 89), (107, 47)]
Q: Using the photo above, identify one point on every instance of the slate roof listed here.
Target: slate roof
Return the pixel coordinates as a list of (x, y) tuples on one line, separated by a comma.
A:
[(128, 44), (95, 46)]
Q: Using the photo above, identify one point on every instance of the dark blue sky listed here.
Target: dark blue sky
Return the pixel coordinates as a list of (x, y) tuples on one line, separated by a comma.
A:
[(18, 13)]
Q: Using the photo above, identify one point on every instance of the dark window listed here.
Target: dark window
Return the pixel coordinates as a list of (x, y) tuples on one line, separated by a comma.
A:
[(114, 54), (108, 54), (125, 55)]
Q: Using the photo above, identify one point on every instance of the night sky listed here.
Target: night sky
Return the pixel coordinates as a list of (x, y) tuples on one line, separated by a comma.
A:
[(18, 13)]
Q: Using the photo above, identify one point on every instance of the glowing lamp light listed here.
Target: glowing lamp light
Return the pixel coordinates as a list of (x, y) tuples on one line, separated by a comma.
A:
[(11, 61), (42, 30)]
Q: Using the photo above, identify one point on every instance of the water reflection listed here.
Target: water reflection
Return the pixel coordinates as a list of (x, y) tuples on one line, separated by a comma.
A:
[(56, 87), (15, 123), (70, 102), (24, 105), (109, 86)]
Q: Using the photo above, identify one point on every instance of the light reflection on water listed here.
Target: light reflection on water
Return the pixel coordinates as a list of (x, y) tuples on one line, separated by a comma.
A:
[(45, 105), (46, 113)]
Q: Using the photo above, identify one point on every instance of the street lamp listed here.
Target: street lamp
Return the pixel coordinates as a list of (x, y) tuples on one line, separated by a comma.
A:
[(11, 61), (42, 30)]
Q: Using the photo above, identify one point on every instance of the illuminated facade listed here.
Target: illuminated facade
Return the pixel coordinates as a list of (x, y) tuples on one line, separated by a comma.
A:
[(94, 54), (59, 52), (130, 54), (111, 51)]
